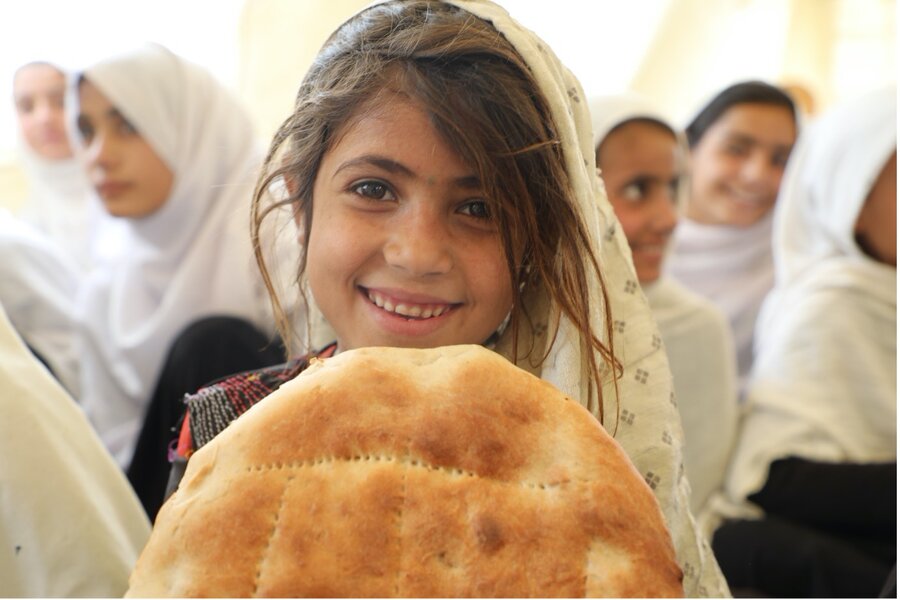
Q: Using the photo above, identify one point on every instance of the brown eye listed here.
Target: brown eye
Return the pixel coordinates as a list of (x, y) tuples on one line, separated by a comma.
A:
[(374, 190), (85, 129), (476, 208)]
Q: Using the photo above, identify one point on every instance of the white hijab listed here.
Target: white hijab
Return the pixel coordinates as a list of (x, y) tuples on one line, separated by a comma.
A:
[(824, 386), (696, 336), (58, 203), (191, 259), (37, 284), (645, 421), (732, 266), (70, 524)]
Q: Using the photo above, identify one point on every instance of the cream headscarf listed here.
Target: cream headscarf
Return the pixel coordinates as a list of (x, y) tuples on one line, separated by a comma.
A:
[(696, 335), (648, 426), (191, 259), (824, 386), (70, 524)]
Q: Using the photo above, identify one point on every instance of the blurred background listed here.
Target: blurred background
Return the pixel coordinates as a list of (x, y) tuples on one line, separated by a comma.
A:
[(677, 51)]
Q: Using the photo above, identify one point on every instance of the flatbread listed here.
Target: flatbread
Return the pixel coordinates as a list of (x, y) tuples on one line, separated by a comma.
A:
[(418, 473)]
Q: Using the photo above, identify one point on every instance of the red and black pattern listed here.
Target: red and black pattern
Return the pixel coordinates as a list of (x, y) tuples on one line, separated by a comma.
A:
[(214, 406)]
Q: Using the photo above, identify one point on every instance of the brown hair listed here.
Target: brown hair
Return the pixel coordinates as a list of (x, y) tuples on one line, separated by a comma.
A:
[(482, 99)]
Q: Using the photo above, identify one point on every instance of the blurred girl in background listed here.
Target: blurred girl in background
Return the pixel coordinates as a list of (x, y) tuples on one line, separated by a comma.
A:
[(172, 157), (58, 203), (641, 159), (740, 142)]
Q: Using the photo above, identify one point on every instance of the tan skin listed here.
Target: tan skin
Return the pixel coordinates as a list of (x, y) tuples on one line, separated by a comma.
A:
[(38, 92), (737, 166), (129, 176), (876, 226), (641, 166), (401, 243)]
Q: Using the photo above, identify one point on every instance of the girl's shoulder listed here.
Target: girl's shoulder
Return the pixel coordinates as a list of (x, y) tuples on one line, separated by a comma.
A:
[(211, 408)]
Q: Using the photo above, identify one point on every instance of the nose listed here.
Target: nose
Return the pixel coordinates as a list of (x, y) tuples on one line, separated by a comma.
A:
[(759, 171), (101, 152), (665, 213), (419, 242), (44, 112)]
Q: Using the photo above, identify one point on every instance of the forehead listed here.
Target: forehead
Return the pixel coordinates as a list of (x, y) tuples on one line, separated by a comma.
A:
[(637, 143), (37, 77), (396, 124), (763, 123), (91, 99)]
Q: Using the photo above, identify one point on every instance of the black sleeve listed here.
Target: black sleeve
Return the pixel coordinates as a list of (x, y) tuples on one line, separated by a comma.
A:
[(858, 497)]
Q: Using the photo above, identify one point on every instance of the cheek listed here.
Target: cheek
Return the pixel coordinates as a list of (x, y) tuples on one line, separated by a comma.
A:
[(631, 219), (489, 274), (335, 249)]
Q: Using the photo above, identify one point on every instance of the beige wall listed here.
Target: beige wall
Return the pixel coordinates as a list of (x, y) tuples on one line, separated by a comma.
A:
[(13, 185), (278, 41)]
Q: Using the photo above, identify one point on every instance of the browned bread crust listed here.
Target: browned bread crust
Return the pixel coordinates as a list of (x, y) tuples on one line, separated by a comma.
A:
[(403, 472)]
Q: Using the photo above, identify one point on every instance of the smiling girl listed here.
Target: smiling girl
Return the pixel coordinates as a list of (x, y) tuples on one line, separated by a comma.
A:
[(739, 144), (438, 163)]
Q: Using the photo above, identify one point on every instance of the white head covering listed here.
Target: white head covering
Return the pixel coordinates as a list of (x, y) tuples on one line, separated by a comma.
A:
[(824, 385), (732, 266), (70, 524), (648, 426), (696, 336), (37, 284), (58, 203), (608, 112), (190, 259)]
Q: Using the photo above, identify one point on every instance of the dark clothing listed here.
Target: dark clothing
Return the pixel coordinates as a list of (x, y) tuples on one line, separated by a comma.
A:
[(205, 351), (829, 531), (210, 409)]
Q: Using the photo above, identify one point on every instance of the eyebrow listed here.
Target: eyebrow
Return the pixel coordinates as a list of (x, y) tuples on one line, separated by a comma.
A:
[(392, 166), (743, 138), (112, 113)]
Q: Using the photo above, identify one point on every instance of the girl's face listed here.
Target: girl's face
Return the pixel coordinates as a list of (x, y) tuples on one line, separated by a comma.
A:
[(738, 163), (402, 251), (38, 92), (639, 163), (131, 179), (876, 226)]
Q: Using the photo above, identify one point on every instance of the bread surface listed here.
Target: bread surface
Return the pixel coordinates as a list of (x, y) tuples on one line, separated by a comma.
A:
[(419, 473)]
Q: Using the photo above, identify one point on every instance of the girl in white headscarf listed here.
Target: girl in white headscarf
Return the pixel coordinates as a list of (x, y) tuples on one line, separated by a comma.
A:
[(70, 525), (497, 233), (815, 467), (722, 248), (641, 161), (172, 157), (58, 204)]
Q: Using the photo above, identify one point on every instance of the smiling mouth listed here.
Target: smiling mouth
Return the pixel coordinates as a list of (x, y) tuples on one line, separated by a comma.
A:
[(408, 310)]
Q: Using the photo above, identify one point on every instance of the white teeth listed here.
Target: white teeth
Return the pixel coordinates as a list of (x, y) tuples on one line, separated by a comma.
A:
[(409, 311), (415, 312)]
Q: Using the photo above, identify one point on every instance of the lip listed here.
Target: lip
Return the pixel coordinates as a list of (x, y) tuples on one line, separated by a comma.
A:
[(394, 324), (750, 200), (111, 189)]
